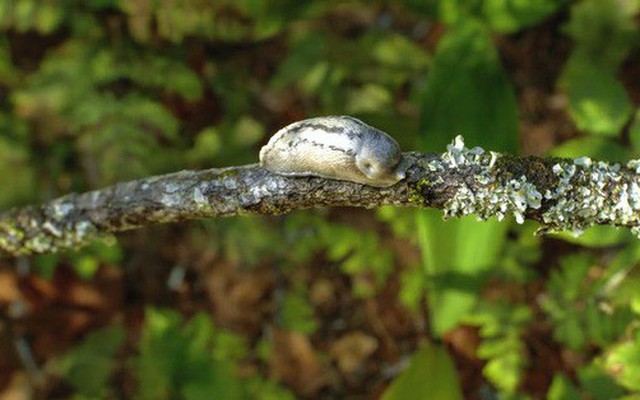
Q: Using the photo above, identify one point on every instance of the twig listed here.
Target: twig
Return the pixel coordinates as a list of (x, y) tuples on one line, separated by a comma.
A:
[(561, 194)]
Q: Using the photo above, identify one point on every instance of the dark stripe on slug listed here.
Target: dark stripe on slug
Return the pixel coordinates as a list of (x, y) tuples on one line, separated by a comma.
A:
[(294, 128), (318, 126), (298, 141), (341, 150), (354, 135), (325, 128)]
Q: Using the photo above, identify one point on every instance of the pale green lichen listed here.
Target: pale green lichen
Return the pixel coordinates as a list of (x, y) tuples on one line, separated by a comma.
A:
[(585, 192), (488, 197), (634, 165), (61, 209), (52, 229), (198, 197), (591, 192), (11, 236), (53, 238), (29, 235)]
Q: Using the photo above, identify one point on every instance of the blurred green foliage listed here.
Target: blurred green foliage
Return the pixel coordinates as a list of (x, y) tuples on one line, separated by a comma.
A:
[(297, 313), (501, 326), (100, 91), (578, 305), (431, 375), (603, 32), (357, 251), (593, 382), (176, 361), (89, 366)]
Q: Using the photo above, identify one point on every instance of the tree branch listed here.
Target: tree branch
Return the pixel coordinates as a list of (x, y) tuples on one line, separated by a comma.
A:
[(561, 194)]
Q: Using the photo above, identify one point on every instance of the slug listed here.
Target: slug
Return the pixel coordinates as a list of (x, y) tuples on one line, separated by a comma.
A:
[(334, 147)]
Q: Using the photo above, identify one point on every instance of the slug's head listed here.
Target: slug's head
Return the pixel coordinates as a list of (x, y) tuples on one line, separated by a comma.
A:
[(379, 158)]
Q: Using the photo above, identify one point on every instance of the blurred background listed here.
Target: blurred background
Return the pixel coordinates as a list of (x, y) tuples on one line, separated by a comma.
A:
[(327, 303)]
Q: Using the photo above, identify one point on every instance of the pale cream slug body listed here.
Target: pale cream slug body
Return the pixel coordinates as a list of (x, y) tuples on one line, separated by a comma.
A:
[(335, 147)]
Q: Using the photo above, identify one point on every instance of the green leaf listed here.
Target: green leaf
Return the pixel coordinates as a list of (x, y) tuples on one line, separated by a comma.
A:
[(573, 305), (401, 221), (122, 136), (504, 371), (245, 240), (468, 93), (452, 12), (428, 8), (160, 71), (598, 102), (623, 361), (603, 31), (396, 52), (24, 14), (176, 360), (356, 251), (9, 75), (508, 16), (624, 292), (598, 383), (412, 288), (562, 389), (46, 264), (297, 314), (48, 17), (456, 257), (207, 145), (430, 376), (501, 326), (87, 260), (369, 99), (228, 345), (262, 389), (247, 131), (597, 236), (18, 186), (238, 21), (89, 365), (521, 254), (159, 347), (305, 63), (634, 134)]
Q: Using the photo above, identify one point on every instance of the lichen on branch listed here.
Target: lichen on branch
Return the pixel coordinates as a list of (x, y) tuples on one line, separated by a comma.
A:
[(578, 193), (561, 194)]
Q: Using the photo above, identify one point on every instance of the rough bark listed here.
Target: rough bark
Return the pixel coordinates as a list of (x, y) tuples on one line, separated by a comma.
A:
[(558, 193)]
